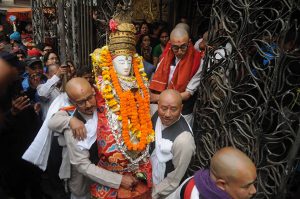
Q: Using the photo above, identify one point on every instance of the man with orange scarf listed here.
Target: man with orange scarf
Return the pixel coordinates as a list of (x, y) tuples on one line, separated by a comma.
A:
[(179, 69)]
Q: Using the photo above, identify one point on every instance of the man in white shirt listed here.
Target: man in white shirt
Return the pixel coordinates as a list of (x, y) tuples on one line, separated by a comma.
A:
[(83, 154), (169, 158)]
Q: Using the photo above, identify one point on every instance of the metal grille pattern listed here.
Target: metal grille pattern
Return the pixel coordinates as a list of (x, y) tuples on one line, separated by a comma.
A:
[(80, 29), (44, 20), (103, 10), (249, 93)]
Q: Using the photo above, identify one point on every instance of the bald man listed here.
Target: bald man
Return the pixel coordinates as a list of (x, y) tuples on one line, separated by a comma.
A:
[(231, 176), (169, 158), (178, 69), (83, 154), (184, 26)]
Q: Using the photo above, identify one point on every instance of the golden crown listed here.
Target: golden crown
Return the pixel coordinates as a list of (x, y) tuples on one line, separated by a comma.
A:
[(122, 37)]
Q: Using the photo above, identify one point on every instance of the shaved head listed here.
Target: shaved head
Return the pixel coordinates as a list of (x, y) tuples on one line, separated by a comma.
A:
[(169, 106), (184, 26), (171, 93), (81, 93), (234, 172), (228, 161), (76, 86), (179, 34)]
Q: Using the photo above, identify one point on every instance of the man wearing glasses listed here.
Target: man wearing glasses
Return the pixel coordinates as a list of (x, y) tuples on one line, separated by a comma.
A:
[(179, 69), (76, 123)]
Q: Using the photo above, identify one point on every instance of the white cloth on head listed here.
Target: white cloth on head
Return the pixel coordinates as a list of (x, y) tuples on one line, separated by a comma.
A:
[(38, 151), (161, 154), (91, 136)]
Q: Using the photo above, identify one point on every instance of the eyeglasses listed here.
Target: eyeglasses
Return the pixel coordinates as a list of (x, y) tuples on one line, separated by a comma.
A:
[(183, 47), (82, 103)]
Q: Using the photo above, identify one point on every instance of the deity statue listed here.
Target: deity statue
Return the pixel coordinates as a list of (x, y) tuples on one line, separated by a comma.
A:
[(124, 128)]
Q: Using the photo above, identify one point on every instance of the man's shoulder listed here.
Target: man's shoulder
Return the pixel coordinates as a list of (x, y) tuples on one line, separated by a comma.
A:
[(185, 138), (61, 112)]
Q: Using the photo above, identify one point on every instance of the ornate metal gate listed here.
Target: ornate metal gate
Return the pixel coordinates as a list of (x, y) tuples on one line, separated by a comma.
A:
[(82, 29), (249, 94)]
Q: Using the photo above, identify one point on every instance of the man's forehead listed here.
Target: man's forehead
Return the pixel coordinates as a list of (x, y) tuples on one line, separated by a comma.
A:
[(81, 92), (179, 40), (171, 102)]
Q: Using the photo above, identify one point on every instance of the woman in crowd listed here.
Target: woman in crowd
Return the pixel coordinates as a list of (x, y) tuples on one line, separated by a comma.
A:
[(144, 30), (144, 48), (164, 37), (72, 68), (50, 59)]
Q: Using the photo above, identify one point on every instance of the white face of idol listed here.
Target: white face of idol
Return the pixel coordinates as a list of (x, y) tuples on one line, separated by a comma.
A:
[(123, 64)]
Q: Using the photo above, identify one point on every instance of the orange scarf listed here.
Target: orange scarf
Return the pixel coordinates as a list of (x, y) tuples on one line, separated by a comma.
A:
[(185, 70), (68, 108)]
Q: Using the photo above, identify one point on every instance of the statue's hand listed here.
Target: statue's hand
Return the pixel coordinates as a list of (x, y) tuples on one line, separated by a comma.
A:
[(78, 128)]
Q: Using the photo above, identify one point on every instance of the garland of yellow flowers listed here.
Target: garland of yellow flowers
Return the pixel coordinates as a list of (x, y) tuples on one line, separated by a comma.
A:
[(134, 109)]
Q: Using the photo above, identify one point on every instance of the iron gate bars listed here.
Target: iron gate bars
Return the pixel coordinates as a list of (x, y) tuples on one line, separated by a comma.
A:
[(80, 32), (249, 92)]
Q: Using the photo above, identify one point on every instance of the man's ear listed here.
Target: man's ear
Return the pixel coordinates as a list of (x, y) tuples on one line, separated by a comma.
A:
[(221, 184)]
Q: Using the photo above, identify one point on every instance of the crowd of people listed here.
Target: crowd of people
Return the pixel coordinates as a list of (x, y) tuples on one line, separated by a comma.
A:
[(124, 130)]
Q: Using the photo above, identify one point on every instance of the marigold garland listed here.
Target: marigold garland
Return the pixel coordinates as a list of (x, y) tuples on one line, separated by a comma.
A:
[(133, 109)]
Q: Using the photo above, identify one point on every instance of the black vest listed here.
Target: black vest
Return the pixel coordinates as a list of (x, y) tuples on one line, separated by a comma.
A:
[(94, 149), (170, 133)]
